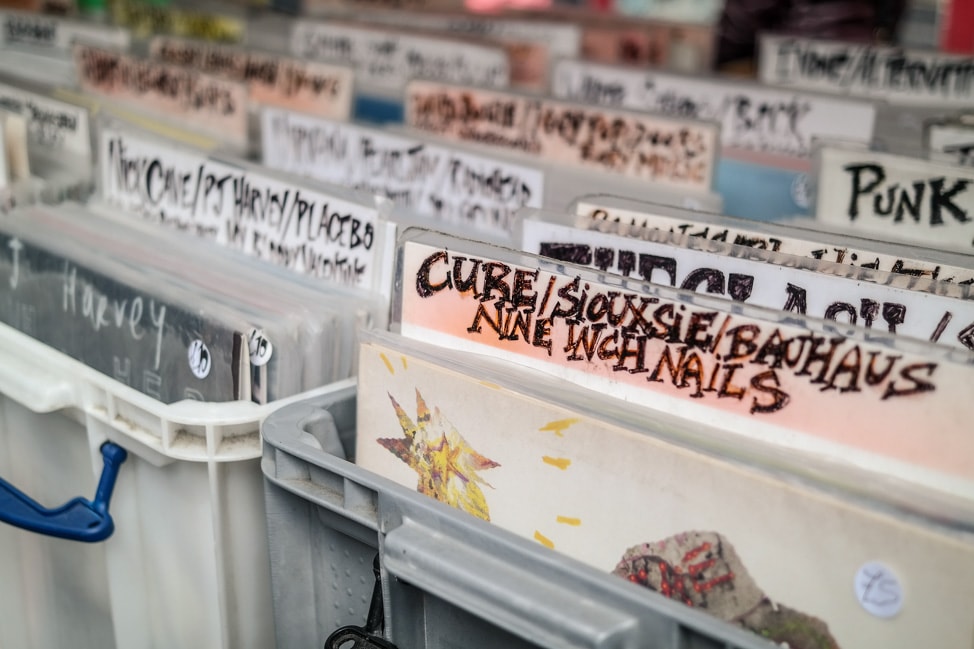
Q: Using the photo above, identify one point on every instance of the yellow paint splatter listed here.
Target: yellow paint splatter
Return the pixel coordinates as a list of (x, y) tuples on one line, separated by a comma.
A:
[(385, 359), (447, 467), (404, 366), (558, 426), (560, 462), (568, 520), (543, 540)]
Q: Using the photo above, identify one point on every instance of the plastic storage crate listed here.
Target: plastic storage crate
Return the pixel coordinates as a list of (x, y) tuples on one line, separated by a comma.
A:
[(187, 564), (448, 579)]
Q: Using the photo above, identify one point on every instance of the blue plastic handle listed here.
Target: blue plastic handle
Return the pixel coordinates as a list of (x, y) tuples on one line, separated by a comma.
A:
[(77, 520)]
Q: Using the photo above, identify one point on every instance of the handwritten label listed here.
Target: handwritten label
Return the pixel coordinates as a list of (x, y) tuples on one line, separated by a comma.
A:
[(850, 251), (896, 196), (200, 101), (879, 72), (954, 141), (762, 280), (664, 150), (752, 118), (260, 347), (52, 126), (146, 20), (315, 88), (740, 370), (199, 359), (56, 33), (879, 590), (292, 226), (83, 298), (426, 179), (388, 59)]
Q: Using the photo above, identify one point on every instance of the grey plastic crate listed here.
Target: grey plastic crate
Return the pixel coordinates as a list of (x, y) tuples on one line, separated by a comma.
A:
[(448, 579)]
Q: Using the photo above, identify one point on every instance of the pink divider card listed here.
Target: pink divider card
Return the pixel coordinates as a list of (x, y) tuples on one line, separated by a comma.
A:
[(665, 150), (314, 88), (891, 407), (199, 101)]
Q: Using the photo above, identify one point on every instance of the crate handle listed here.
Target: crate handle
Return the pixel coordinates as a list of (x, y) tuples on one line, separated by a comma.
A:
[(77, 520), (452, 565)]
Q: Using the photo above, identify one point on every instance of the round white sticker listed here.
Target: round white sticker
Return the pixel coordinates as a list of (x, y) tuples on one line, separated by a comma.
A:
[(878, 589), (199, 359), (260, 348)]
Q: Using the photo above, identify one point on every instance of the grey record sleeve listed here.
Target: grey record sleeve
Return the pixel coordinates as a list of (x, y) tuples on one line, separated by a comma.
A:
[(121, 329)]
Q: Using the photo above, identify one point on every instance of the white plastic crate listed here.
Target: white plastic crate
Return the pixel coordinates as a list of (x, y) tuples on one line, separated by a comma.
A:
[(187, 564)]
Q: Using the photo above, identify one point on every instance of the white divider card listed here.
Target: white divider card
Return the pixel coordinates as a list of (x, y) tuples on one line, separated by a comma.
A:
[(640, 220), (952, 140), (451, 186), (879, 72), (312, 231), (870, 299), (896, 197), (54, 128), (665, 150), (887, 405), (57, 33), (385, 59), (196, 101), (761, 120), (315, 88), (766, 132)]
